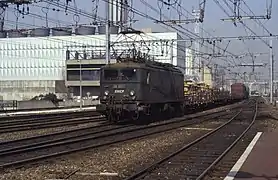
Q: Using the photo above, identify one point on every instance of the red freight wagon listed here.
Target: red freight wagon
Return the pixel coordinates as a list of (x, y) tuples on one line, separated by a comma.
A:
[(239, 91)]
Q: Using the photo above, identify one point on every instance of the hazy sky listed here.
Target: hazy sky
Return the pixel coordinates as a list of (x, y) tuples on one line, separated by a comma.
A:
[(212, 22)]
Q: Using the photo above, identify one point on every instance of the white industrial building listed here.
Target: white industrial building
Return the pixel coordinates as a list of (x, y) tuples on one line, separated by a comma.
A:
[(189, 62), (30, 66)]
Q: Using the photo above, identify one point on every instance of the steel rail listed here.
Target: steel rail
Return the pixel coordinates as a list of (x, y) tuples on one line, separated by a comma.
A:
[(42, 118), (64, 141), (154, 165), (151, 167), (34, 138), (45, 121), (39, 116), (38, 125), (231, 146), (56, 137), (100, 140)]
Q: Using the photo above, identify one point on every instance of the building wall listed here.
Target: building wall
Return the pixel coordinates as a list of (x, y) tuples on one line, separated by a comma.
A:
[(181, 53), (208, 76), (189, 62), (31, 65), (43, 58), (24, 90)]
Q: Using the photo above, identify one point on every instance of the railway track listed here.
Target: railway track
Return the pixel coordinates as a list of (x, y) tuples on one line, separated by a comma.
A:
[(30, 142), (7, 128), (33, 118), (14, 124), (15, 120), (20, 152), (196, 159)]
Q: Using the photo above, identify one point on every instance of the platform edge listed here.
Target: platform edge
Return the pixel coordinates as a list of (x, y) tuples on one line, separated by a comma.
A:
[(233, 172)]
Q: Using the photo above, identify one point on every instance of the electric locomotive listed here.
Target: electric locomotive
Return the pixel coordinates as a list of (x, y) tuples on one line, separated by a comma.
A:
[(136, 86)]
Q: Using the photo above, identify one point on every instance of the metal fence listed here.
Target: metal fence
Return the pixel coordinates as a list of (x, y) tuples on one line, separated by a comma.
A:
[(8, 105)]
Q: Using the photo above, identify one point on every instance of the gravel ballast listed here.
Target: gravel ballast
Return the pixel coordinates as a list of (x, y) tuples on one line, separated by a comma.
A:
[(36, 132), (117, 158)]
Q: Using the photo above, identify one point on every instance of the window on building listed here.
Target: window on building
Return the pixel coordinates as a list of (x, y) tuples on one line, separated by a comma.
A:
[(73, 75), (91, 75), (87, 75)]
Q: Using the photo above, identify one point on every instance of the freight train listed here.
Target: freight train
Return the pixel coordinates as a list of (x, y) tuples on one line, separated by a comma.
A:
[(136, 87), (239, 91)]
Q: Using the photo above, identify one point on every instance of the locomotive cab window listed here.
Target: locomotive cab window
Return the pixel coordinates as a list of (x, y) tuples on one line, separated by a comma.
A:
[(125, 74), (111, 74), (128, 74)]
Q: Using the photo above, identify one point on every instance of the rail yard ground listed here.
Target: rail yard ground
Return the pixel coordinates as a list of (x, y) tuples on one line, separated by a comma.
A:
[(120, 152)]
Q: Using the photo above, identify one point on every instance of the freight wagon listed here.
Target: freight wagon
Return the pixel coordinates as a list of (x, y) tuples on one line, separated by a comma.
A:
[(239, 91)]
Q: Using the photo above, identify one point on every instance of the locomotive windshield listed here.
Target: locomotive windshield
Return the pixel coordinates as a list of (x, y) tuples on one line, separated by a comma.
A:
[(126, 74), (111, 74)]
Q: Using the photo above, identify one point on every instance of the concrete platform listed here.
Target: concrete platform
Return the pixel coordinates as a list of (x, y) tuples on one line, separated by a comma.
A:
[(259, 161)]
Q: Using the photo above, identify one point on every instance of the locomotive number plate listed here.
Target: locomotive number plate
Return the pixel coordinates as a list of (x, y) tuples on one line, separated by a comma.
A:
[(119, 90)]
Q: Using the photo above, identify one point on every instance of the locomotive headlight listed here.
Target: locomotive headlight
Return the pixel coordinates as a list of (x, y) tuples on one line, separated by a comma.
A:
[(106, 93), (132, 93)]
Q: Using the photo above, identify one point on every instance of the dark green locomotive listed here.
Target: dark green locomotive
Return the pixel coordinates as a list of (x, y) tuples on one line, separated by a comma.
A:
[(136, 87)]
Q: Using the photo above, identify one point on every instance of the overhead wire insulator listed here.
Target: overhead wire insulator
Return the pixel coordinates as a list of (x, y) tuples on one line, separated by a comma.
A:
[(45, 10), (160, 7)]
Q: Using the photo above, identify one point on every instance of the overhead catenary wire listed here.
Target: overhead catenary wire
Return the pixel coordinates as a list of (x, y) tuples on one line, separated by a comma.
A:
[(256, 20), (202, 44), (154, 19), (54, 39), (64, 6), (245, 27), (71, 9), (240, 20)]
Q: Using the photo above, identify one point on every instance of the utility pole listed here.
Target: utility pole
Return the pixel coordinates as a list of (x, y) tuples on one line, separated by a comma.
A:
[(202, 71), (271, 71), (265, 87), (80, 84), (244, 76), (196, 13), (172, 52), (198, 20), (108, 30)]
